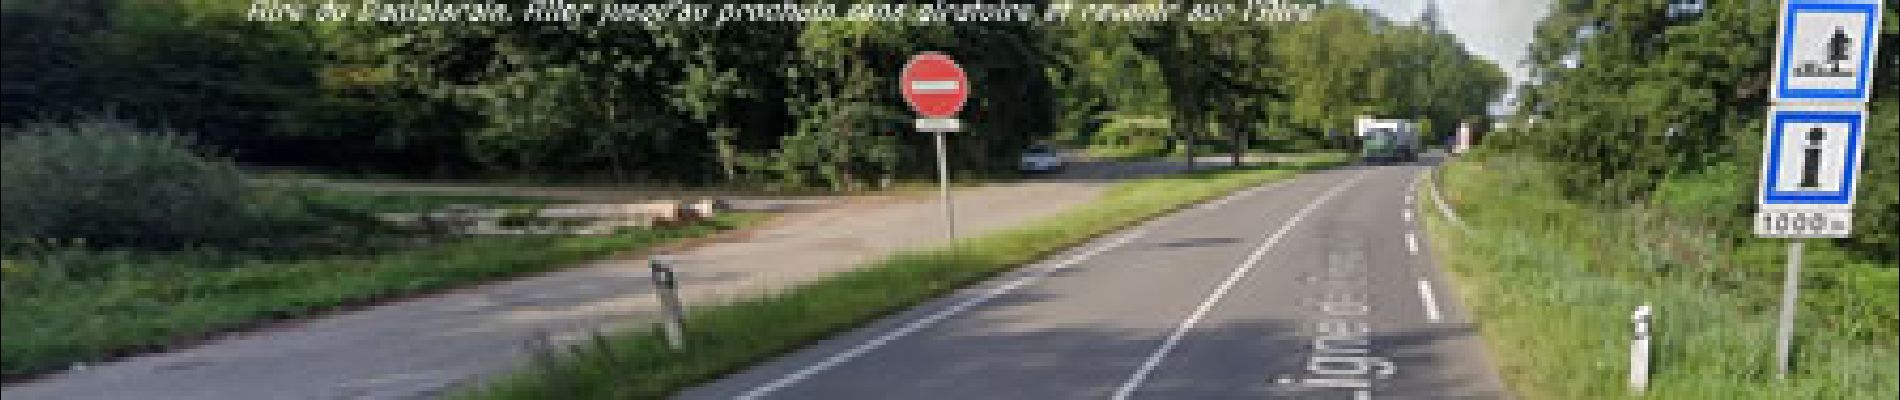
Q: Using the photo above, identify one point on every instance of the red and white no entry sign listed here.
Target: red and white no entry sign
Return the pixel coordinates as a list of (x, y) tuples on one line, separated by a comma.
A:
[(934, 85)]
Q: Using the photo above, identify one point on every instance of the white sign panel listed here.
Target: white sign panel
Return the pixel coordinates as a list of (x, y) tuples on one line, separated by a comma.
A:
[(1810, 160), (1796, 224), (939, 125), (1825, 50), (935, 86)]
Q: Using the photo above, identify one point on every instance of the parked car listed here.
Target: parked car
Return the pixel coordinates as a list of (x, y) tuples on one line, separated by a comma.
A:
[(1040, 159)]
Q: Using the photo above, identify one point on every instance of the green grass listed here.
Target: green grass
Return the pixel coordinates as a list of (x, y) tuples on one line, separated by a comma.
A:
[(1552, 284), (725, 338), (64, 307)]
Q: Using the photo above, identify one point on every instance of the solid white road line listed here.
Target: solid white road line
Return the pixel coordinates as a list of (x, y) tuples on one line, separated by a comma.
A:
[(1431, 303), (1167, 345), (1411, 243), (932, 319), (919, 324)]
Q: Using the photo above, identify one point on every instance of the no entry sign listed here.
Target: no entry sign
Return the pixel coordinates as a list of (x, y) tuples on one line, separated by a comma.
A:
[(934, 85), (936, 88)]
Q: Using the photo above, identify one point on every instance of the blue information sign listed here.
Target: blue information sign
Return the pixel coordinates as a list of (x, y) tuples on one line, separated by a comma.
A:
[(1825, 50), (1811, 157)]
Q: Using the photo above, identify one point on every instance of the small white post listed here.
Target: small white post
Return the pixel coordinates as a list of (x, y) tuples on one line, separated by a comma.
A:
[(1639, 349), (672, 314)]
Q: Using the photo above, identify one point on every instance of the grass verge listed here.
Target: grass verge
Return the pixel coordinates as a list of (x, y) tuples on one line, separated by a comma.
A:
[(68, 307), (725, 338), (1552, 283)]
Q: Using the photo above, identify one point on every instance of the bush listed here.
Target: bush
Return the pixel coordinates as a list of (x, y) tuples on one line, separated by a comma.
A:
[(106, 183)]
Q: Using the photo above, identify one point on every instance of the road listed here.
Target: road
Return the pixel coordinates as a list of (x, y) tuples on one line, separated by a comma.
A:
[(1317, 288), (428, 346)]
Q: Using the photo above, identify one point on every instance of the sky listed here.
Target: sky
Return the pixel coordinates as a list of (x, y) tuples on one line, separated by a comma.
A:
[(1499, 30)]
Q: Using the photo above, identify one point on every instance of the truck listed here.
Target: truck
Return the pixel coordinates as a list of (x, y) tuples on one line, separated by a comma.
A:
[(1387, 140)]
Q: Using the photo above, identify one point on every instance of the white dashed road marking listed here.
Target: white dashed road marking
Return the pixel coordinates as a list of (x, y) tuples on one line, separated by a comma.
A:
[(1431, 303)]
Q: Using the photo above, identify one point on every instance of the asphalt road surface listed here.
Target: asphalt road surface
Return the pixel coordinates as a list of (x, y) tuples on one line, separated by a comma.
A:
[(1315, 288)]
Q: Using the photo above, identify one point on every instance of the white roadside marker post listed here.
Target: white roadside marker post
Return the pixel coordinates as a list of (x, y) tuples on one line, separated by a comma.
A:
[(672, 314), (1639, 349)]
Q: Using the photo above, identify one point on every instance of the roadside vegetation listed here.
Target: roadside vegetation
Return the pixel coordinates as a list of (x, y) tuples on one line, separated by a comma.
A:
[(1629, 177), (1552, 281), (1637, 102), (724, 338), (753, 105), (120, 241)]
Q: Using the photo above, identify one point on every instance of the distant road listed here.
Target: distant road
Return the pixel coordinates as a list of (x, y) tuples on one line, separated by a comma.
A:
[(1318, 288)]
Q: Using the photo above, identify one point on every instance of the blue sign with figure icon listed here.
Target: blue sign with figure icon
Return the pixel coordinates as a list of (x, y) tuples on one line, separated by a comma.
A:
[(1811, 157), (1825, 50)]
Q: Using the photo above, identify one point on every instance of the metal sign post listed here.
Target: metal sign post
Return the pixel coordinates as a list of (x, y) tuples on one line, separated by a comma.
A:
[(936, 88), (1790, 289), (943, 188), (1823, 74)]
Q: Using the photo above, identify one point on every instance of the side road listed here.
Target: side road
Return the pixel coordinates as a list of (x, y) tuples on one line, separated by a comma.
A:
[(421, 348)]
